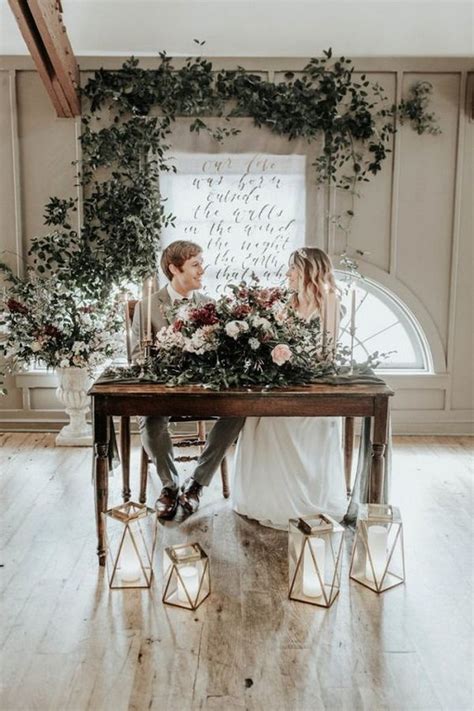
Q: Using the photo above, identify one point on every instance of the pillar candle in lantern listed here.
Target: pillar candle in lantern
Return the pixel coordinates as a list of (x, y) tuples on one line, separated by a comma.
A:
[(377, 544), (311, 584), (129, 563), (190, 577)]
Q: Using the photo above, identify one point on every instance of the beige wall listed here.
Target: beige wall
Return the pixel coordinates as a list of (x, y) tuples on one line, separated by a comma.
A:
[(414, 222)]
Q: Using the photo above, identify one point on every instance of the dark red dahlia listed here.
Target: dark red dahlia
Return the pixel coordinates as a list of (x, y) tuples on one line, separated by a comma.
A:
[(50, 330), (16, 307), (204, 315)]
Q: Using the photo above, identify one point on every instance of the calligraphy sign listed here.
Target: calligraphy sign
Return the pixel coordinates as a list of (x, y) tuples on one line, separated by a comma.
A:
[(247, 212)]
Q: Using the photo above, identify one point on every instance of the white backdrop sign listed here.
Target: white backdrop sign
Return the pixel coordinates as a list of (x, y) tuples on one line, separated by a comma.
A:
[(247, 211)]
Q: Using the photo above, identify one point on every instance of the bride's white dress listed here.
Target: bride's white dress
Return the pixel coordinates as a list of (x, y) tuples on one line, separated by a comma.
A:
[(286, 467)]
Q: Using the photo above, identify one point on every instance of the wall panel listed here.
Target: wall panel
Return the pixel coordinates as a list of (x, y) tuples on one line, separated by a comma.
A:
[(7, 173), (463, 347), (370, 230), (426, 201), (47, 149)]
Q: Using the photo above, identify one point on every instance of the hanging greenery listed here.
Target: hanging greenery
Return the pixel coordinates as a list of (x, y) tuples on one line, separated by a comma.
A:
[(126, 132)]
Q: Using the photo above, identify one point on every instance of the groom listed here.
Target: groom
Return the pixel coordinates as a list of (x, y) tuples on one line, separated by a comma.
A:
[(182, 264)]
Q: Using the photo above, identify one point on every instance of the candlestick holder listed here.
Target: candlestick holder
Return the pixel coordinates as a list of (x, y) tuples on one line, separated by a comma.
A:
[(377, 559), (131, 539), (147, 345), (314, 556), (187, 576)]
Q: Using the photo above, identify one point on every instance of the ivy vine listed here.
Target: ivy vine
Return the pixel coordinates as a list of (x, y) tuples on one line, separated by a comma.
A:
[(126, 133)]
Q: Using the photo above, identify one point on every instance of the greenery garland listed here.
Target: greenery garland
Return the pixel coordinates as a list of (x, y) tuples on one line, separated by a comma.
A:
[(123, 213)]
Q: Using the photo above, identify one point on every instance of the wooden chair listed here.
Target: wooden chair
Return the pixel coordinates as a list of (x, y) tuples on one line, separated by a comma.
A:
[(197, 439)]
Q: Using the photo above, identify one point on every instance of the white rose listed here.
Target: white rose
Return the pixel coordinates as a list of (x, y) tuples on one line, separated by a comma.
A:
[(64, 363), (36, 346), (261, 322), (254, 343), (235, 328)]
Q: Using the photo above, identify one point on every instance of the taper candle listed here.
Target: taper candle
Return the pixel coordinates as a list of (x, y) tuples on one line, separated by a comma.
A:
[(325, 317), (128, 328), (353, 309), (149, 285)]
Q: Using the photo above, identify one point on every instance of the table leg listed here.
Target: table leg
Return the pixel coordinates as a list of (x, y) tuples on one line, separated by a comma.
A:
[(101, 474), (379, 446), (348, 451), (125, 456)]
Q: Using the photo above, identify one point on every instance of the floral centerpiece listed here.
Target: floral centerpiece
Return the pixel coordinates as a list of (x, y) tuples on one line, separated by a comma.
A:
[(45, 322), (249, 337)]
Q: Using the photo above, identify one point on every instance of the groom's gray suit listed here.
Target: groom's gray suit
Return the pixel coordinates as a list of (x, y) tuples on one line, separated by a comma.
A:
[(154, 429)]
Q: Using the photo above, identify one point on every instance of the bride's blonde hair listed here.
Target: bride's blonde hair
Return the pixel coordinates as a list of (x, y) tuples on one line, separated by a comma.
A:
[(315, 273)]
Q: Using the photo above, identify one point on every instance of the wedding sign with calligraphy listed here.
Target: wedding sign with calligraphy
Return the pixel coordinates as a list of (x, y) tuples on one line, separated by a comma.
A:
[(246, 210)]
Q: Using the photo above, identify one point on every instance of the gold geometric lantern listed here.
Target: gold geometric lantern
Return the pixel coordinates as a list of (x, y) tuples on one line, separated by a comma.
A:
[(131, 538), (377, 555), (314, 554), (187, 577)]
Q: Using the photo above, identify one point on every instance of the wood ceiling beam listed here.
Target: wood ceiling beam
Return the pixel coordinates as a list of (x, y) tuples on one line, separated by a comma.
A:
[(41, 25)]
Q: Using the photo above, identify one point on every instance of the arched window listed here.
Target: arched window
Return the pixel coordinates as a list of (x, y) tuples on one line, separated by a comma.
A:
[(384, 324)]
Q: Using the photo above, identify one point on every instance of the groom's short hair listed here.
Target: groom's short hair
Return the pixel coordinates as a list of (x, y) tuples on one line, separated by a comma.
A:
[(178, 253)]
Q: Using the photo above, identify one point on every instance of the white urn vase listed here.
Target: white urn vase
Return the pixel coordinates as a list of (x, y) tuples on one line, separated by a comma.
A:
[(72, 393)]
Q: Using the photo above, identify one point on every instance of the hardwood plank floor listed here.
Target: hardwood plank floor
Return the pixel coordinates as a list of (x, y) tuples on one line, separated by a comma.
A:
[(67, 642)]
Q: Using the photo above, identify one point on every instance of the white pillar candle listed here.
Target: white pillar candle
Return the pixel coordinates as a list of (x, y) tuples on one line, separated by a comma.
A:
[(311, 584), (377, 544), (190, 578), (149, 286), (129, 564)]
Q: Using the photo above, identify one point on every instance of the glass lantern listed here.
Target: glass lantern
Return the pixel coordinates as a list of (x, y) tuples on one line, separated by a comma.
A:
[(131, 538), (377, 555), (314, 553), (186, 574)]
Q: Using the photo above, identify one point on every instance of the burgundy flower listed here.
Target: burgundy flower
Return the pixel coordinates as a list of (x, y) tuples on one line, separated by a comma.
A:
[(267, 297), (178, 325), (241, 311), (86, 309), (15, 307), (50, 330), (204, 315)]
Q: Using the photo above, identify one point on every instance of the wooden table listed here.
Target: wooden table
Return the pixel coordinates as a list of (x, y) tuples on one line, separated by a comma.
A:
[(306, 401)]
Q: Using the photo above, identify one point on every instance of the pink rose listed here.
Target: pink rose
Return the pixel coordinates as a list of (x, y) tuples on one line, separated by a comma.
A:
[(281, 354)]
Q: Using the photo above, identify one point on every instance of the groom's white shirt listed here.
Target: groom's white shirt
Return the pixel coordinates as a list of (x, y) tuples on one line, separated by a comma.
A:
[(175, 295)]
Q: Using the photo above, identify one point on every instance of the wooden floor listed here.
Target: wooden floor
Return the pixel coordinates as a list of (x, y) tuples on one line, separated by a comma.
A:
[(70, 643)]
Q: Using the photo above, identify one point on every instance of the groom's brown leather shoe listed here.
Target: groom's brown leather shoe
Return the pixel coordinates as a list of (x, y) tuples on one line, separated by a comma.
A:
[(166, 504), (189, 499)]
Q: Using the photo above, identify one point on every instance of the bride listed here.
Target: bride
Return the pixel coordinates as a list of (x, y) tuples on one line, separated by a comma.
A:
[(286, 467)]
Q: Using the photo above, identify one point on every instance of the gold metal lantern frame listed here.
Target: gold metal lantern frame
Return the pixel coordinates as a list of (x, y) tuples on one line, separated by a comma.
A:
[(187, 581), (378, 560), (314, 558), (131, 531)]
